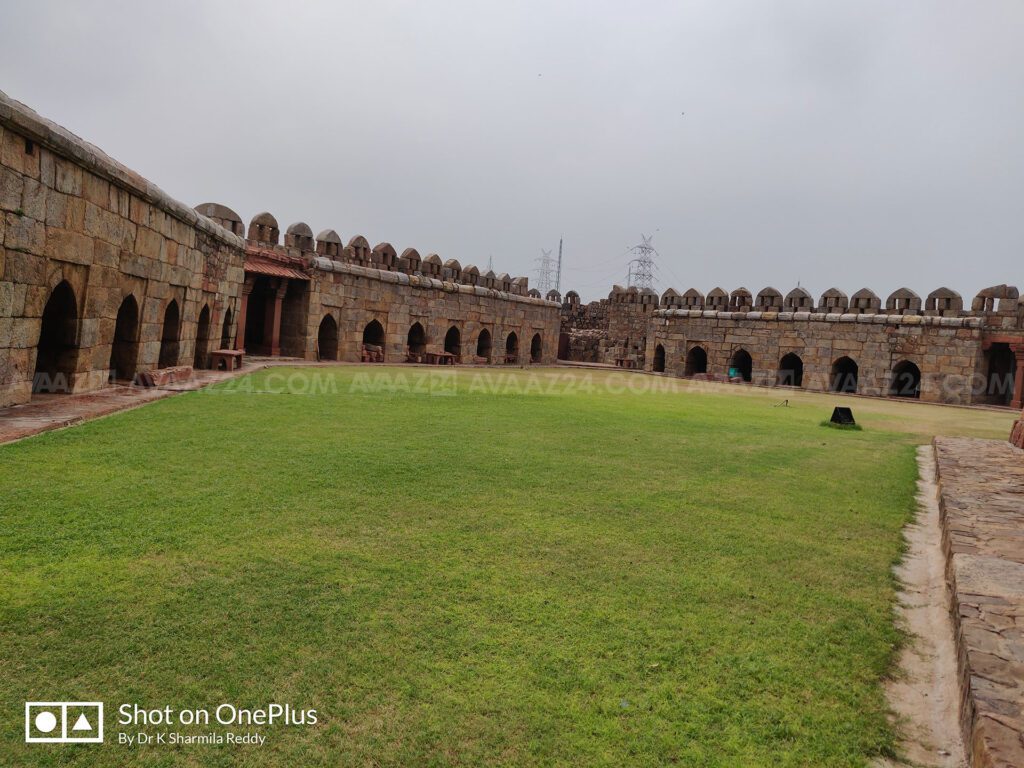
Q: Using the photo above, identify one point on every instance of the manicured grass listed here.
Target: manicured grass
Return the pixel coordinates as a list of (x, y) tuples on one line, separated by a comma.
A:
[(482, 579)]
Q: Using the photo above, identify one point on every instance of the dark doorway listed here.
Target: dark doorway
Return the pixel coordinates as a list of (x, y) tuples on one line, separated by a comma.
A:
[(1001, 370), (906, 380), (124, 350), (536, 348), (170, 335), (696, 362), (453, 342), (512, 348), (416, 341), (483, 345), (327, 339), (741, 366), (373, 342), (791, 371), (564, 346), (225, 331), (57, 351), (659, 359), (202, 354), (844, 376), (263, 295), (373, 333)]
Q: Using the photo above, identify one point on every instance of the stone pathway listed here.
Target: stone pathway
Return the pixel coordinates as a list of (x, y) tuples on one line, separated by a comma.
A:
[(981, 502)]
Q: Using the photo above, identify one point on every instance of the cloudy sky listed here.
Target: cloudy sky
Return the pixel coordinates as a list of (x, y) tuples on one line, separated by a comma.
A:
[(831, 143)]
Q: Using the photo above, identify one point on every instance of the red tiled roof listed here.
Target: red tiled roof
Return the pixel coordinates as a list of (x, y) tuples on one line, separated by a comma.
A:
[(262, 263)]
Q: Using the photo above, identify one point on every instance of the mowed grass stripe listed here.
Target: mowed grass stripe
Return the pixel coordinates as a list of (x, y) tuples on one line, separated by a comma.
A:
[(590, 579)]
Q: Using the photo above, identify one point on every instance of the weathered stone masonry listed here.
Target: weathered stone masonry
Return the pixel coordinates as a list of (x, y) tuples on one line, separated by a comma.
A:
[(99, 269), (933, 349), (105, 277), (316, 299)]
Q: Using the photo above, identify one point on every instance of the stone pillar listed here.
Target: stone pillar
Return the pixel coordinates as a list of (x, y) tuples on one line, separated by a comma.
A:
[(1018, 380), (273, 326), (243, 309)]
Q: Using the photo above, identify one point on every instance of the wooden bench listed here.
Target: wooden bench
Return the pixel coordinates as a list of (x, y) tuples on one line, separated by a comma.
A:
[(231, 359)]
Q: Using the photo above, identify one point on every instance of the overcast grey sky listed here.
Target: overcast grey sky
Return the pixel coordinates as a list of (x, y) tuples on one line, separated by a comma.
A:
[(851, 143)]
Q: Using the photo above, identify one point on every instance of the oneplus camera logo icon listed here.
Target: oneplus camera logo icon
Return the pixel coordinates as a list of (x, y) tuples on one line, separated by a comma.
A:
[(64, 722)]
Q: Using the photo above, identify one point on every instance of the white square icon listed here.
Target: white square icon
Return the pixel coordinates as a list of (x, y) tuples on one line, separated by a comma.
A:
[(64, 722)]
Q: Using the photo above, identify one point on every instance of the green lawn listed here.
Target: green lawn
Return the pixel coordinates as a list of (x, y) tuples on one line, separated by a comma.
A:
[(484, 579)]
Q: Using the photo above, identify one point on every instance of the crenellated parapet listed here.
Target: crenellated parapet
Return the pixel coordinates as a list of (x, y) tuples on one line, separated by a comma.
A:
[(263, 237), (999, 306)]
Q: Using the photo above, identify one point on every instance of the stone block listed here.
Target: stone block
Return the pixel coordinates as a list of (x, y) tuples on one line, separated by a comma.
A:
[(11, 187), (68, 177), (64, 245)]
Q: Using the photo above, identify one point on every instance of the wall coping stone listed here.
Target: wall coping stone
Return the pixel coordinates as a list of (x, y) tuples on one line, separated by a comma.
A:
[(325, 264), (26, 121)]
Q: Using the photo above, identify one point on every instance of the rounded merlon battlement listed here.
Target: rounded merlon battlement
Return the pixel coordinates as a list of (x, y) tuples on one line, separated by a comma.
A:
[(741, 300), (903, 301), (572, 298), (554, 295), (328, 244), (692, 299), (300, 236), (769, 300), (945, 302), (264, 229), (470, 275), (717, 299), (384, 256), (865, 302), (671, 298), (410, 261), (452, 271), (431, 266), (798, 300), (221, 214), (833, 301), (358, 251), (534, 293)]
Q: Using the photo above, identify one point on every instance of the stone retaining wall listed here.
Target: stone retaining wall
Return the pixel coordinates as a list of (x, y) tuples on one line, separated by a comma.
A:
[(981, 506)]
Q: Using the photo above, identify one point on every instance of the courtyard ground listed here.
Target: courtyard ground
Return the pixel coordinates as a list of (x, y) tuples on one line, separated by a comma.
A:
[(468, 568)]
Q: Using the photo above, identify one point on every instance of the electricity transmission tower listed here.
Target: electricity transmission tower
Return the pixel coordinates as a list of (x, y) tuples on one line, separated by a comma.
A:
[(558, 275), (545, 272), (641, 266)]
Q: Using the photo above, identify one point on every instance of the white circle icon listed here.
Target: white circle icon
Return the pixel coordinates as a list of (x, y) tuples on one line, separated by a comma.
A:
[(45, 722)]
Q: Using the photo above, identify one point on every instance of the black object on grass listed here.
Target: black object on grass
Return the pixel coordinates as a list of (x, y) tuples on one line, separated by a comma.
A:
[(843, 416)]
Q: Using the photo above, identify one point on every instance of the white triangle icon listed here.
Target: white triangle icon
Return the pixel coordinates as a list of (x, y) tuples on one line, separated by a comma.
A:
[(81, 724)]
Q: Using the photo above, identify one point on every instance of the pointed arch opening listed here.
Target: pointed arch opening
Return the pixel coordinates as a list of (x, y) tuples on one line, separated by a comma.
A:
[(536, 348), (453, 343), (169, 337), (844, 376), (201, 358), (696, 362), (327, 338), (483, 345), (511, 348), (906, 380), (124, 349), (659, 359), (741, 365), (791, 371), (57, 351), (416, 343), (373, 342)]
